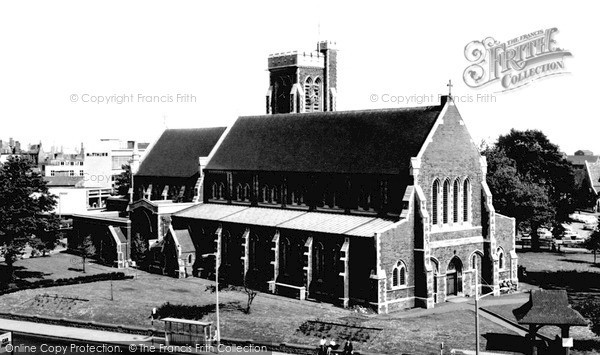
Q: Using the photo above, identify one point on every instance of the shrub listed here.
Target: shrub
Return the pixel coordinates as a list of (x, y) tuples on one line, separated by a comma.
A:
[(68, 281)]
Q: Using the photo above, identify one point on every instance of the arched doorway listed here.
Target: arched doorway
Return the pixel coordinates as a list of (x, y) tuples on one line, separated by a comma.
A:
[(454, 277), (142, 222)]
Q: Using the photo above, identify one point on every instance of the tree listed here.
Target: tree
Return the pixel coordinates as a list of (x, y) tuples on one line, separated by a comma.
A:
[(45, 242), (250, 285), (123, 181), (530, 180), (139, 247), (593, 242), (25, 210), (86, 249)]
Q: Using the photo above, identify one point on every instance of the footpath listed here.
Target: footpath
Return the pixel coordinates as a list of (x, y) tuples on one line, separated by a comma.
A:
[(129, 343)]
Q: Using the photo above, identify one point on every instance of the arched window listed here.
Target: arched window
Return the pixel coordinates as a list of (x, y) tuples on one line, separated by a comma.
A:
[(308, 94), (239, 192), (214, 190), (274, 194), (316, 98), (266, 193), (246, 192), (383, 188), (500, 258), (455, 201), (319, 260), (296, 196), (284, 253), (225, 246), (466, 199), (364, 199), (446, 202), (399, 275), (253, 251), (435, 191), (221, 193)]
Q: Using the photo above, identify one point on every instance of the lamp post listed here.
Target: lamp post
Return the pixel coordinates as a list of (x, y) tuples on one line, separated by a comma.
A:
[(60, 204), (216, 292), (477, 298)]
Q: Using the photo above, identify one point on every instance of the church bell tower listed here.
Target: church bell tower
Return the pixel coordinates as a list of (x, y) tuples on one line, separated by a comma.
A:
[(303, 82)]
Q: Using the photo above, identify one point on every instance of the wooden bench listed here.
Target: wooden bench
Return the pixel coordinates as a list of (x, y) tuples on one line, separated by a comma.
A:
[(274, 285)]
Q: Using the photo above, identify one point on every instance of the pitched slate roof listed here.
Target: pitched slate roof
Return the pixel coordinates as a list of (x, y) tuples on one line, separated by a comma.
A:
[(579, 160), (593, 171), (117, 233), (370, 141), (64, 181), (549, 307), (319, 222), (176, 152), (183, 238)]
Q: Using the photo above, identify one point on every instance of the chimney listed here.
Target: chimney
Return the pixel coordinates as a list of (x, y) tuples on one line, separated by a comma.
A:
[(135, 161)]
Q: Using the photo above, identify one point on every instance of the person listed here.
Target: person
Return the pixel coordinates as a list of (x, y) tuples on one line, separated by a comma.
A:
[(331, 346), (348, 348), (322, 345), (153, 315)]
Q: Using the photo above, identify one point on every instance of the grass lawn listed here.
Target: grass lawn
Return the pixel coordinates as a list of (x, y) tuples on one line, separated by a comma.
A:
[(56, 266), (280, 319), (571, 269), (273, 318), (568, 259)]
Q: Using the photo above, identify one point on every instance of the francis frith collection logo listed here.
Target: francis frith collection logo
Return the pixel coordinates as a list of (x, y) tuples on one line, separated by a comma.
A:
[(514, 63)]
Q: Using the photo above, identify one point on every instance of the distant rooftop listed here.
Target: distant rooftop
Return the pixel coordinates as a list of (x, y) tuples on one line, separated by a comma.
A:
[(580, 160), (64, 181)]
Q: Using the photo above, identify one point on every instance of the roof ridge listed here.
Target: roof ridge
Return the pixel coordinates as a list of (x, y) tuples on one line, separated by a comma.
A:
[(340, 113)]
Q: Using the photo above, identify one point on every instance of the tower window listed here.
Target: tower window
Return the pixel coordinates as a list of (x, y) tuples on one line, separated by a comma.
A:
[(312, 94), (317, 95), (466, 199), (308, 90), (434, 201), (445, 202), (455, 202)]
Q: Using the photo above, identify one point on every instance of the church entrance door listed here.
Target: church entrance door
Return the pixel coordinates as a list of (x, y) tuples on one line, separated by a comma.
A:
[(454, 277), (451, 283)]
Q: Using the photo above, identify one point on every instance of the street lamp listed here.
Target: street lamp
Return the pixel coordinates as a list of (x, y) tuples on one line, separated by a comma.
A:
[(216, 291), (477, 298), (60, 204)]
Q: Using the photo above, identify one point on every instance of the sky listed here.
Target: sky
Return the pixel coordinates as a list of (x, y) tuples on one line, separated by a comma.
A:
[(57, 57)]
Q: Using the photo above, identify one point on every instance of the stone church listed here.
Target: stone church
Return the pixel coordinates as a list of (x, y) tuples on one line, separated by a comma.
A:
[(387, 208)]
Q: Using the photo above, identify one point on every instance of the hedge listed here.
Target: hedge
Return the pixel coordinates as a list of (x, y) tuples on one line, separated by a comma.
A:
[(67, 281)]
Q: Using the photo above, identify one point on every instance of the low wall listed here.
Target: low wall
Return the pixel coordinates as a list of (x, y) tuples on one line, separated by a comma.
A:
[(271, 346)]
